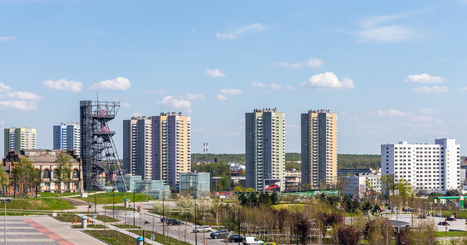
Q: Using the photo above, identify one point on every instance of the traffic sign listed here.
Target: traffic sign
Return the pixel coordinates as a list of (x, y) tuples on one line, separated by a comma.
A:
[(95, 216), (152, 237)]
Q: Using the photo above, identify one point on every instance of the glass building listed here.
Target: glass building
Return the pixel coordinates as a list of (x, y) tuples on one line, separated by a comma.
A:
[(195, 184)]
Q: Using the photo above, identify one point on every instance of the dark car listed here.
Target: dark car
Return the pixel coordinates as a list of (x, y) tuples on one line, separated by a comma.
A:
[(450, 219), (174, 222), (220, 234), (235, 238), (443, 223)]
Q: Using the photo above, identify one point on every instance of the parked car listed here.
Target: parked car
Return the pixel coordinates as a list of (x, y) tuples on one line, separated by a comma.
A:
[(203, 228), (220, 234), (443, 223), (451, 219), (235, 238), (273, 187), (249, 240), (174, 222)]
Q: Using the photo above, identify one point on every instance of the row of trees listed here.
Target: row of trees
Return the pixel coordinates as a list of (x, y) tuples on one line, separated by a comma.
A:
[(24, 178)]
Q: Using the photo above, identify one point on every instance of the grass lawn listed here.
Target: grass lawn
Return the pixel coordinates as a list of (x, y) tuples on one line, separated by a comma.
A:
[(107, 198), (94, 226), (41, 203), (65, 194), (127, 226), (105, 218), (451, 233), (112, 237), (291, 207), (68, 217), (159, 238), (119, 208)]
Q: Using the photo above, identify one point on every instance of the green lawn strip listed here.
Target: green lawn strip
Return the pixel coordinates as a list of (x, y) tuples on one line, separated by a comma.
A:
[(94, 226), (107, 198), (451, 233), (68, 217), (40, 203), (119, 208), (105, 218), (127, 226), (159, 237), (65, 194), (112, 237)]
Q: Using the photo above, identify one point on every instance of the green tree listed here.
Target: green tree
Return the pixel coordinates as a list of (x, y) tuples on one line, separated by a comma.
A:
[(36, 180), (405, 190), (3, 178), (388, 186), (21, 175), (64, 167)]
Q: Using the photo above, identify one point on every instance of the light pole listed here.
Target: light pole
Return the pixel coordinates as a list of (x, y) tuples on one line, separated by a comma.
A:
[(113, 203), (5, 200), (239, 222), (134, 207), (145, 223), (163, 215), (196, 232)]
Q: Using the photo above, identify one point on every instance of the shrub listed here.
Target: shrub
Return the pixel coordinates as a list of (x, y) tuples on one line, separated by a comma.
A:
[(349, 236)]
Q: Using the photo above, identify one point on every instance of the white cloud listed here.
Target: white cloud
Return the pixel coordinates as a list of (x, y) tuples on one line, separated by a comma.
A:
[(424, 78), (64, 84), (171, 102), (434, 89), (328, 80), (136, 114), (271, 85), (21, 95), (391, 112), (233, 34), (220, 97), (427, 111), (312, 62), (23, 105), (126, 105), (231, 91), (7, 38), (214, 73), (119, 83), (289, 87), (156, 92), (4, 88), (389, 33), (195, 97)]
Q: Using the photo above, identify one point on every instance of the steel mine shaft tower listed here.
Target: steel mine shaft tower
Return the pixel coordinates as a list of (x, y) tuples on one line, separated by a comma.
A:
[(97, 145)]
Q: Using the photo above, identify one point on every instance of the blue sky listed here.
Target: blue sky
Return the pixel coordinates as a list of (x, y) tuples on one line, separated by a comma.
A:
[(392, 70)]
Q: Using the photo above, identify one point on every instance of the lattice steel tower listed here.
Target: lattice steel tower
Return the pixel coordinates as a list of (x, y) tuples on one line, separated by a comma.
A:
[(97, 145)]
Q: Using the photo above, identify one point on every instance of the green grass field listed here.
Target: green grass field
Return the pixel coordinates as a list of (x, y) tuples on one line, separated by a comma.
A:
[(65, 194), (452, 233), (291, 207), (106, 198), (118, 208), (41, 203)]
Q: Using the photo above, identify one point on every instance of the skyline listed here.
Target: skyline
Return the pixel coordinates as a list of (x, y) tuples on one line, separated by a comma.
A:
[(392, 72)]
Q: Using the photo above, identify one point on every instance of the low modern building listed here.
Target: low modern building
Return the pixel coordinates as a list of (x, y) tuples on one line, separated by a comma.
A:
[(195, 184), (44, 161), (362, 183), (425, 166), (293, 179), (154, 188)]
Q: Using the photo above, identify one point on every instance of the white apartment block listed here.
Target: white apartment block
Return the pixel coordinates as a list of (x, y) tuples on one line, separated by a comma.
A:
[(424, 166), (19, 138), (137, 145)]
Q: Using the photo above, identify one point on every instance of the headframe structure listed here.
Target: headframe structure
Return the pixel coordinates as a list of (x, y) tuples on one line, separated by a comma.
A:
[(97, 144)]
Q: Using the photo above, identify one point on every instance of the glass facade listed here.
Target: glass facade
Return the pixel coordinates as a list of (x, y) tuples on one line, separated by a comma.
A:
[(194, 184), (154, 188)]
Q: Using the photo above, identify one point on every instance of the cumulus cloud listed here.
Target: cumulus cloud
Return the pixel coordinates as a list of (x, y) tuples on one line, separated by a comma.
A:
[(126, 105), (7, 38), (220, 97), (272, 86), (427, 111), (289, 87), (424, 78), (156, 92), (195, 97), (171, 102), (231, 91), (233, 34), (20, 95), (312, 62), (328, 80), (382, 113), (4, 88), (119, 83), (434, 89), (136, 114), (374, 29), (23, 105), (64, 84), (214, 73)]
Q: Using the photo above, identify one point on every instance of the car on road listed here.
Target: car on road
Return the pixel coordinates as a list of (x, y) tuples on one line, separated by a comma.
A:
[(249, 240), (235, 238), (203, 228), (223, 233), (174, 222), (443, 223), (451, 219)]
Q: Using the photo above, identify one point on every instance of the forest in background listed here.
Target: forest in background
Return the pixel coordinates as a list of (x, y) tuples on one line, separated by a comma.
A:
[(343, 160)]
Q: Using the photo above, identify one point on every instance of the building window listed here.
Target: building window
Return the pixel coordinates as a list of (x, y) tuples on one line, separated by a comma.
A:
[(46, 174), (75, 173), (55, 174)]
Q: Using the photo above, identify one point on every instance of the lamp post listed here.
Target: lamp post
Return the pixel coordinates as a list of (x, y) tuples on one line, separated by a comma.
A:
[(145, 223), (134, 207), (196, 233), (163, 215), (239, 222), (113, 203), (5, 200)]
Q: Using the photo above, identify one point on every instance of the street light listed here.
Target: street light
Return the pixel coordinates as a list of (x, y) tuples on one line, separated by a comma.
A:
[(196, 233), (5, 200), (145, 223), (113, 203), (239, 222), (163, 214)]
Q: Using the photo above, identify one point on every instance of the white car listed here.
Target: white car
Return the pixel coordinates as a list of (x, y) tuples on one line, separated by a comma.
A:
[(249, 240), (203, 228)]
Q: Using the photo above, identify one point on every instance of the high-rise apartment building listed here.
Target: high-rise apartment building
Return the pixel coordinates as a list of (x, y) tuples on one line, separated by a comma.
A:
[(137, 147), (171, 147), (319, 148), (264, 147), (66, 136), (19, 138), (424, 166)]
